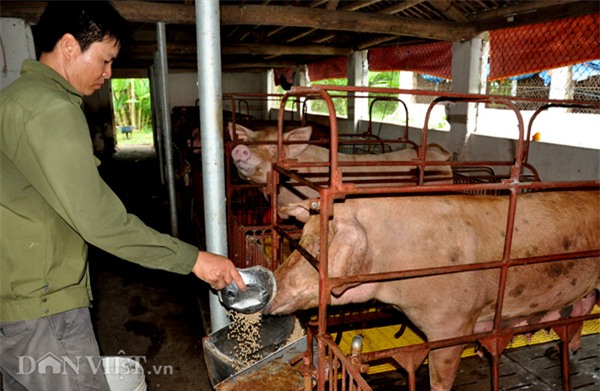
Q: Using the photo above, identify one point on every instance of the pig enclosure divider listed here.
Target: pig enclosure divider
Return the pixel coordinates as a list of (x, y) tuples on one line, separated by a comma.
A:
[(244, 221), (333, 365), (568, 105), (253, 215), (247, 207)]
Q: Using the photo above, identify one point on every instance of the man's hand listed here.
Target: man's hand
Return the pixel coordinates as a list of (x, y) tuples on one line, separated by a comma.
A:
[(217, 271)]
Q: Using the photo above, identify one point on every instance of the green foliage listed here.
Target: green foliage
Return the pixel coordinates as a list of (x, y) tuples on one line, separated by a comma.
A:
[(500, 87), (131, 101), (384, 79), (137, 137), (383, 108), (319, 106)]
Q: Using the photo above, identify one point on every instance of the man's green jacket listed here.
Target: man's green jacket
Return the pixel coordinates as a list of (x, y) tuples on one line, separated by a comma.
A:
[(53, 202)]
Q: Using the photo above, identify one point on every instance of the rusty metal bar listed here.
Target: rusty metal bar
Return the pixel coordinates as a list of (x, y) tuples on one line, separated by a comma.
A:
[(538, 111), (272, 181), (429, 271), (506, 261), (466, 339), (495, 338), (233, 117), (369, 131), (386, 90), (516, 167)]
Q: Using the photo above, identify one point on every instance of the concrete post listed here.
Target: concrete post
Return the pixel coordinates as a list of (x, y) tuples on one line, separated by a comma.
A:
[(358, 76), (466, 78)]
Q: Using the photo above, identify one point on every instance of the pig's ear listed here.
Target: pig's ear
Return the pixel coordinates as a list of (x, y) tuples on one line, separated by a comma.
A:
[(299, 210), (298, 134), (347, 252), (243, 133)]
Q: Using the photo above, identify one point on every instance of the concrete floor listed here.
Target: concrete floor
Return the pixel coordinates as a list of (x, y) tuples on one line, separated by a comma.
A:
[(154, 315)]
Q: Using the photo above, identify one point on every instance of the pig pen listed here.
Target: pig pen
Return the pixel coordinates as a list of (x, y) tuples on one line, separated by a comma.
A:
[(187, 152), (249, 215), (248, 209), (339, 369)]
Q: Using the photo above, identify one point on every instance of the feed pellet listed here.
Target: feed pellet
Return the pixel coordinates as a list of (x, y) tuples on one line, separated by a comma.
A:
[(245, 329)]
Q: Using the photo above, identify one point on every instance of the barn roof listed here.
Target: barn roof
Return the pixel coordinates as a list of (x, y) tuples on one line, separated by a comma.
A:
[(261, 34)]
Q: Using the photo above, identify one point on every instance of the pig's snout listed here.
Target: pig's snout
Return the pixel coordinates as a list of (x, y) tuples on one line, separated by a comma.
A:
[(240, 153)]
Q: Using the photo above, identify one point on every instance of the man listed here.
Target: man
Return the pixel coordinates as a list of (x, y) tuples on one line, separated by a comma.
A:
[(53, 203)]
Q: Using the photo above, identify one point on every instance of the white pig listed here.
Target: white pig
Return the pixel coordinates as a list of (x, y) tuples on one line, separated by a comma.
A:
[(378, 235), (253, 162)]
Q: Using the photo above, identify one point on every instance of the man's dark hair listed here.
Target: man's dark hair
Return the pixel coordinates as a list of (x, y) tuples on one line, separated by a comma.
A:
[(87, 21)]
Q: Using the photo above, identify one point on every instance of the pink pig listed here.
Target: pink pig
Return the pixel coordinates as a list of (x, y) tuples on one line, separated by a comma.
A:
[(378, 235), (253, 162)]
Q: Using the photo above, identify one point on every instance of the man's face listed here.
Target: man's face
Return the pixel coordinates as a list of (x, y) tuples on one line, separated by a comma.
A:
[(88, 70)]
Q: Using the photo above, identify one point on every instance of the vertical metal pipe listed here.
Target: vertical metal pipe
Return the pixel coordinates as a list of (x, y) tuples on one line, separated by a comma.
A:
[(564, 361), (157, 126), (495, 372), (163, 83), (211, 120)]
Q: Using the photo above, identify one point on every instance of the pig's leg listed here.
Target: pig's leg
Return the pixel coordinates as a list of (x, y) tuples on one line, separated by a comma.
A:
[(582, 307), (443, 366), (444, 362)]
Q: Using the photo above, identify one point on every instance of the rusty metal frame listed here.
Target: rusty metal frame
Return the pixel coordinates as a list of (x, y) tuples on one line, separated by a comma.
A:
[(332, 364), (369, 131), (238, 229), (545, 107)]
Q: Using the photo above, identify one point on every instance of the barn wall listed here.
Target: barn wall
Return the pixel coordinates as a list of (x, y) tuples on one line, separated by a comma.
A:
[(553, 162), (244, 82), (183, 90), (253, 83), (17, 42)]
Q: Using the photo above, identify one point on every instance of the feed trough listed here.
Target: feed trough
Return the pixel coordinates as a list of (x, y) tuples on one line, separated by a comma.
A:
[(223, 365)]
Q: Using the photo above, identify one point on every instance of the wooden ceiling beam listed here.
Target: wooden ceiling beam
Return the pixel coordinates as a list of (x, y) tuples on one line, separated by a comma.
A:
[(317, 3), (29, 11), (300, 35), (374, 42), (446, 8), (527, 14), (324, 38), (257, 65), (252, 15), (132, 11), (332, 4), (172, 13), (401, 6), (358, 5), (245, 48), (522, 8), (278, 50), (345, 21)]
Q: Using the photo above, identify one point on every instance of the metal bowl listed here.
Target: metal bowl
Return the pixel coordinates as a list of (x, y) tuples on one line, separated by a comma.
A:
[(260, 290)]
